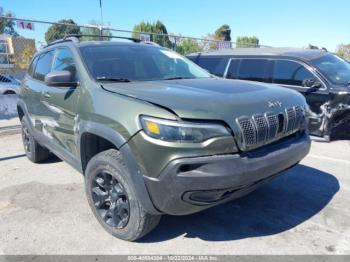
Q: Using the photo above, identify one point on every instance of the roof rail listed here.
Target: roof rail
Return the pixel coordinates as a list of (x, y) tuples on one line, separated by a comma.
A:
[(75, 38), (102, 36), (68, 39)]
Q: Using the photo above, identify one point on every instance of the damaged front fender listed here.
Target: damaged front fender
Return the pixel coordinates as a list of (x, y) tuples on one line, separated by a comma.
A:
[(333, 113)]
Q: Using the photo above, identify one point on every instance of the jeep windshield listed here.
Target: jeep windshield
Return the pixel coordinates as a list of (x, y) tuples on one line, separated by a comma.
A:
[(334, 68), (131, 62)]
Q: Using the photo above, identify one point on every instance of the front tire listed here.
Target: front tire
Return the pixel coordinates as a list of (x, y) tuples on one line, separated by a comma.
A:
[(113, 200), (34, 151)]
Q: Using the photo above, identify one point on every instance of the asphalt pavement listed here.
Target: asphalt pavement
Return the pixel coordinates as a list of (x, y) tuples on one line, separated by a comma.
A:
[(43, 210)]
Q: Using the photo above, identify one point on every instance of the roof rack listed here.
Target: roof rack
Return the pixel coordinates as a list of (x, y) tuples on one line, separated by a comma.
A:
[(75, 38), (65, 39), (78, 36)]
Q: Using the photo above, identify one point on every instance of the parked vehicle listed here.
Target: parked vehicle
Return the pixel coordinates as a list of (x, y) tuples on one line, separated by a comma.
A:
[(8, 85), (322, 77), (152, 132)]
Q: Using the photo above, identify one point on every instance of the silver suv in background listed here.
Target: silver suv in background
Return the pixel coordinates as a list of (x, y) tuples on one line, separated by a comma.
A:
[(8, 85)]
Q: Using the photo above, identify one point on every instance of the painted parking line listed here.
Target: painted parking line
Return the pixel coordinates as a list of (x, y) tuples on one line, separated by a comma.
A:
[(329, 158)]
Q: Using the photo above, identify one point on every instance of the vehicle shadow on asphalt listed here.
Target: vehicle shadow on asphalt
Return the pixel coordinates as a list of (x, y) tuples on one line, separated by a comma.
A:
[(280, 205), (52, 159)]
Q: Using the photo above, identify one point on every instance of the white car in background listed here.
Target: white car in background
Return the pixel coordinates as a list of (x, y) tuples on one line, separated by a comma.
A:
[(8, 85)]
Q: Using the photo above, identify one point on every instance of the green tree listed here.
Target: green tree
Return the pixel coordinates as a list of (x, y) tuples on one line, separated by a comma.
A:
[(187, 45), (94, 31), (247, 41), (7, 26), (158, 28), (56, 31), (23, 58), (343, 51), (223, 33)]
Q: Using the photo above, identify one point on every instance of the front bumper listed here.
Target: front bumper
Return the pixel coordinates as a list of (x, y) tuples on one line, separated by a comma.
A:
[(189, 185)]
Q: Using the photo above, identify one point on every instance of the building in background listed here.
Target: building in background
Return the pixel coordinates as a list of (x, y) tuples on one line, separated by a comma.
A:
[(15, 54), (5, 53)]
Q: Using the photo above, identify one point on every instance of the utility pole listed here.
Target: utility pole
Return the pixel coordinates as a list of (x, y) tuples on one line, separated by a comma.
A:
[(101, 12), (101, 25)]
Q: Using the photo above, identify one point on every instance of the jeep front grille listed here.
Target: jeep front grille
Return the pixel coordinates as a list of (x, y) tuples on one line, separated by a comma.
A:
[(262, 129)]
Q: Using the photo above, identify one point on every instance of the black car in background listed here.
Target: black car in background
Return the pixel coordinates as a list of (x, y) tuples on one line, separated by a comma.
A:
[(322, 77)]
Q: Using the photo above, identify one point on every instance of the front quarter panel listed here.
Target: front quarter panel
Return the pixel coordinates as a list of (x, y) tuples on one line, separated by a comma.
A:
[(117, 112)]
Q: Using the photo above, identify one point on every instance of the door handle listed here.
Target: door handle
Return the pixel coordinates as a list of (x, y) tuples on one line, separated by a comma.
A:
[(47, 95)]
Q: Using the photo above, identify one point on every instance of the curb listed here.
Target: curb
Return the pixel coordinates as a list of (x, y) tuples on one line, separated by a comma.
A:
[(10, 130)]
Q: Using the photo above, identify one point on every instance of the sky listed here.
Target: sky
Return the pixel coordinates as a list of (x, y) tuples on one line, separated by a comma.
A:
[(279, 23)]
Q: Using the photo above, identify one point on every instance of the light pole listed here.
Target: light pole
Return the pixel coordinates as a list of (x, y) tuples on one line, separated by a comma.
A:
[(101, 12), (101, 25)]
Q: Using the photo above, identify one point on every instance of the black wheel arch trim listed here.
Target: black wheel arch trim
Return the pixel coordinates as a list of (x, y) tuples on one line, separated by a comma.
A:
[(136, 174), (23, 107)]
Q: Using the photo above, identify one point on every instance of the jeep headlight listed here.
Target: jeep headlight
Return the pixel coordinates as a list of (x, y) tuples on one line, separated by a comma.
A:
[(181, 131)]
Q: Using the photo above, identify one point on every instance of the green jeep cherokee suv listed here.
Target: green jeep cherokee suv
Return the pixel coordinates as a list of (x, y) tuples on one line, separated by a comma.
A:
[(152, 132)]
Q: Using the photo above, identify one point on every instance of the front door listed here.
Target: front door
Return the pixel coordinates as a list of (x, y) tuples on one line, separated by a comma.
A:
[(292, 74), (61, 104)]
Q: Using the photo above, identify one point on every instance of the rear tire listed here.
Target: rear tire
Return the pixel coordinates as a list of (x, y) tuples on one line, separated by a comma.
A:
[(113, 199), (35, 152)]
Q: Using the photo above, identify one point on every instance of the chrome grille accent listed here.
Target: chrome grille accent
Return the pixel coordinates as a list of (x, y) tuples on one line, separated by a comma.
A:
[(262, 129)]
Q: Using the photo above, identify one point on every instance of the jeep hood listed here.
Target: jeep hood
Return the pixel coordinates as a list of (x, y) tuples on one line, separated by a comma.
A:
[(210, 98)]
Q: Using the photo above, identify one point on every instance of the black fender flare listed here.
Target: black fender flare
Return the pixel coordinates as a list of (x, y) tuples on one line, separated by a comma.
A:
[(22, 105), (132, 164)]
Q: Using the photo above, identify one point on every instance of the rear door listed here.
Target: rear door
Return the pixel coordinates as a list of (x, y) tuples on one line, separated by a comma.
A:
[(34, 86), (61, 104), (291, 74), (251, 69), (214, 64)]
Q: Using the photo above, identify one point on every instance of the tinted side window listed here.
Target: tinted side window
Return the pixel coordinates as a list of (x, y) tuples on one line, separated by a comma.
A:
[(232, 71), (32, 66), (215, 65), (64, 61), (290, 73), (253, 69), (43, 66)]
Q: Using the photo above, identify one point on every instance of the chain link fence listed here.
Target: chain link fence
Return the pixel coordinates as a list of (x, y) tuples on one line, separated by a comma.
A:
[(17, 50)]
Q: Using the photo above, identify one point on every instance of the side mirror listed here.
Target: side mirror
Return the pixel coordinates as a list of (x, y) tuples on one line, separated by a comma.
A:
[(60, 79), (312, 84)]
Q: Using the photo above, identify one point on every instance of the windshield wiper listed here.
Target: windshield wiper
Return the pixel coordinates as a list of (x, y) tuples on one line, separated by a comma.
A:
[(105, 78), (178, 77)]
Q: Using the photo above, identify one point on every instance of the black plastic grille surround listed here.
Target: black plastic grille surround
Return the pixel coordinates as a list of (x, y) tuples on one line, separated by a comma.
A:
[(261, 129)]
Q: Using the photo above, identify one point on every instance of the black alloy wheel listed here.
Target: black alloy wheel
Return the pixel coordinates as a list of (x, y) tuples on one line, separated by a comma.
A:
[(26, 139), (110, 200)]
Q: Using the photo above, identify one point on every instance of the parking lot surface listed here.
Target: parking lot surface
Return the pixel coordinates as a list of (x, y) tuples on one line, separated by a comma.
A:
[(43, 210)]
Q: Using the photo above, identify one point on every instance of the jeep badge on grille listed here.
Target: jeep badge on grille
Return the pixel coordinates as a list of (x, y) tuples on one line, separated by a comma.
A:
[(274, 104)]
